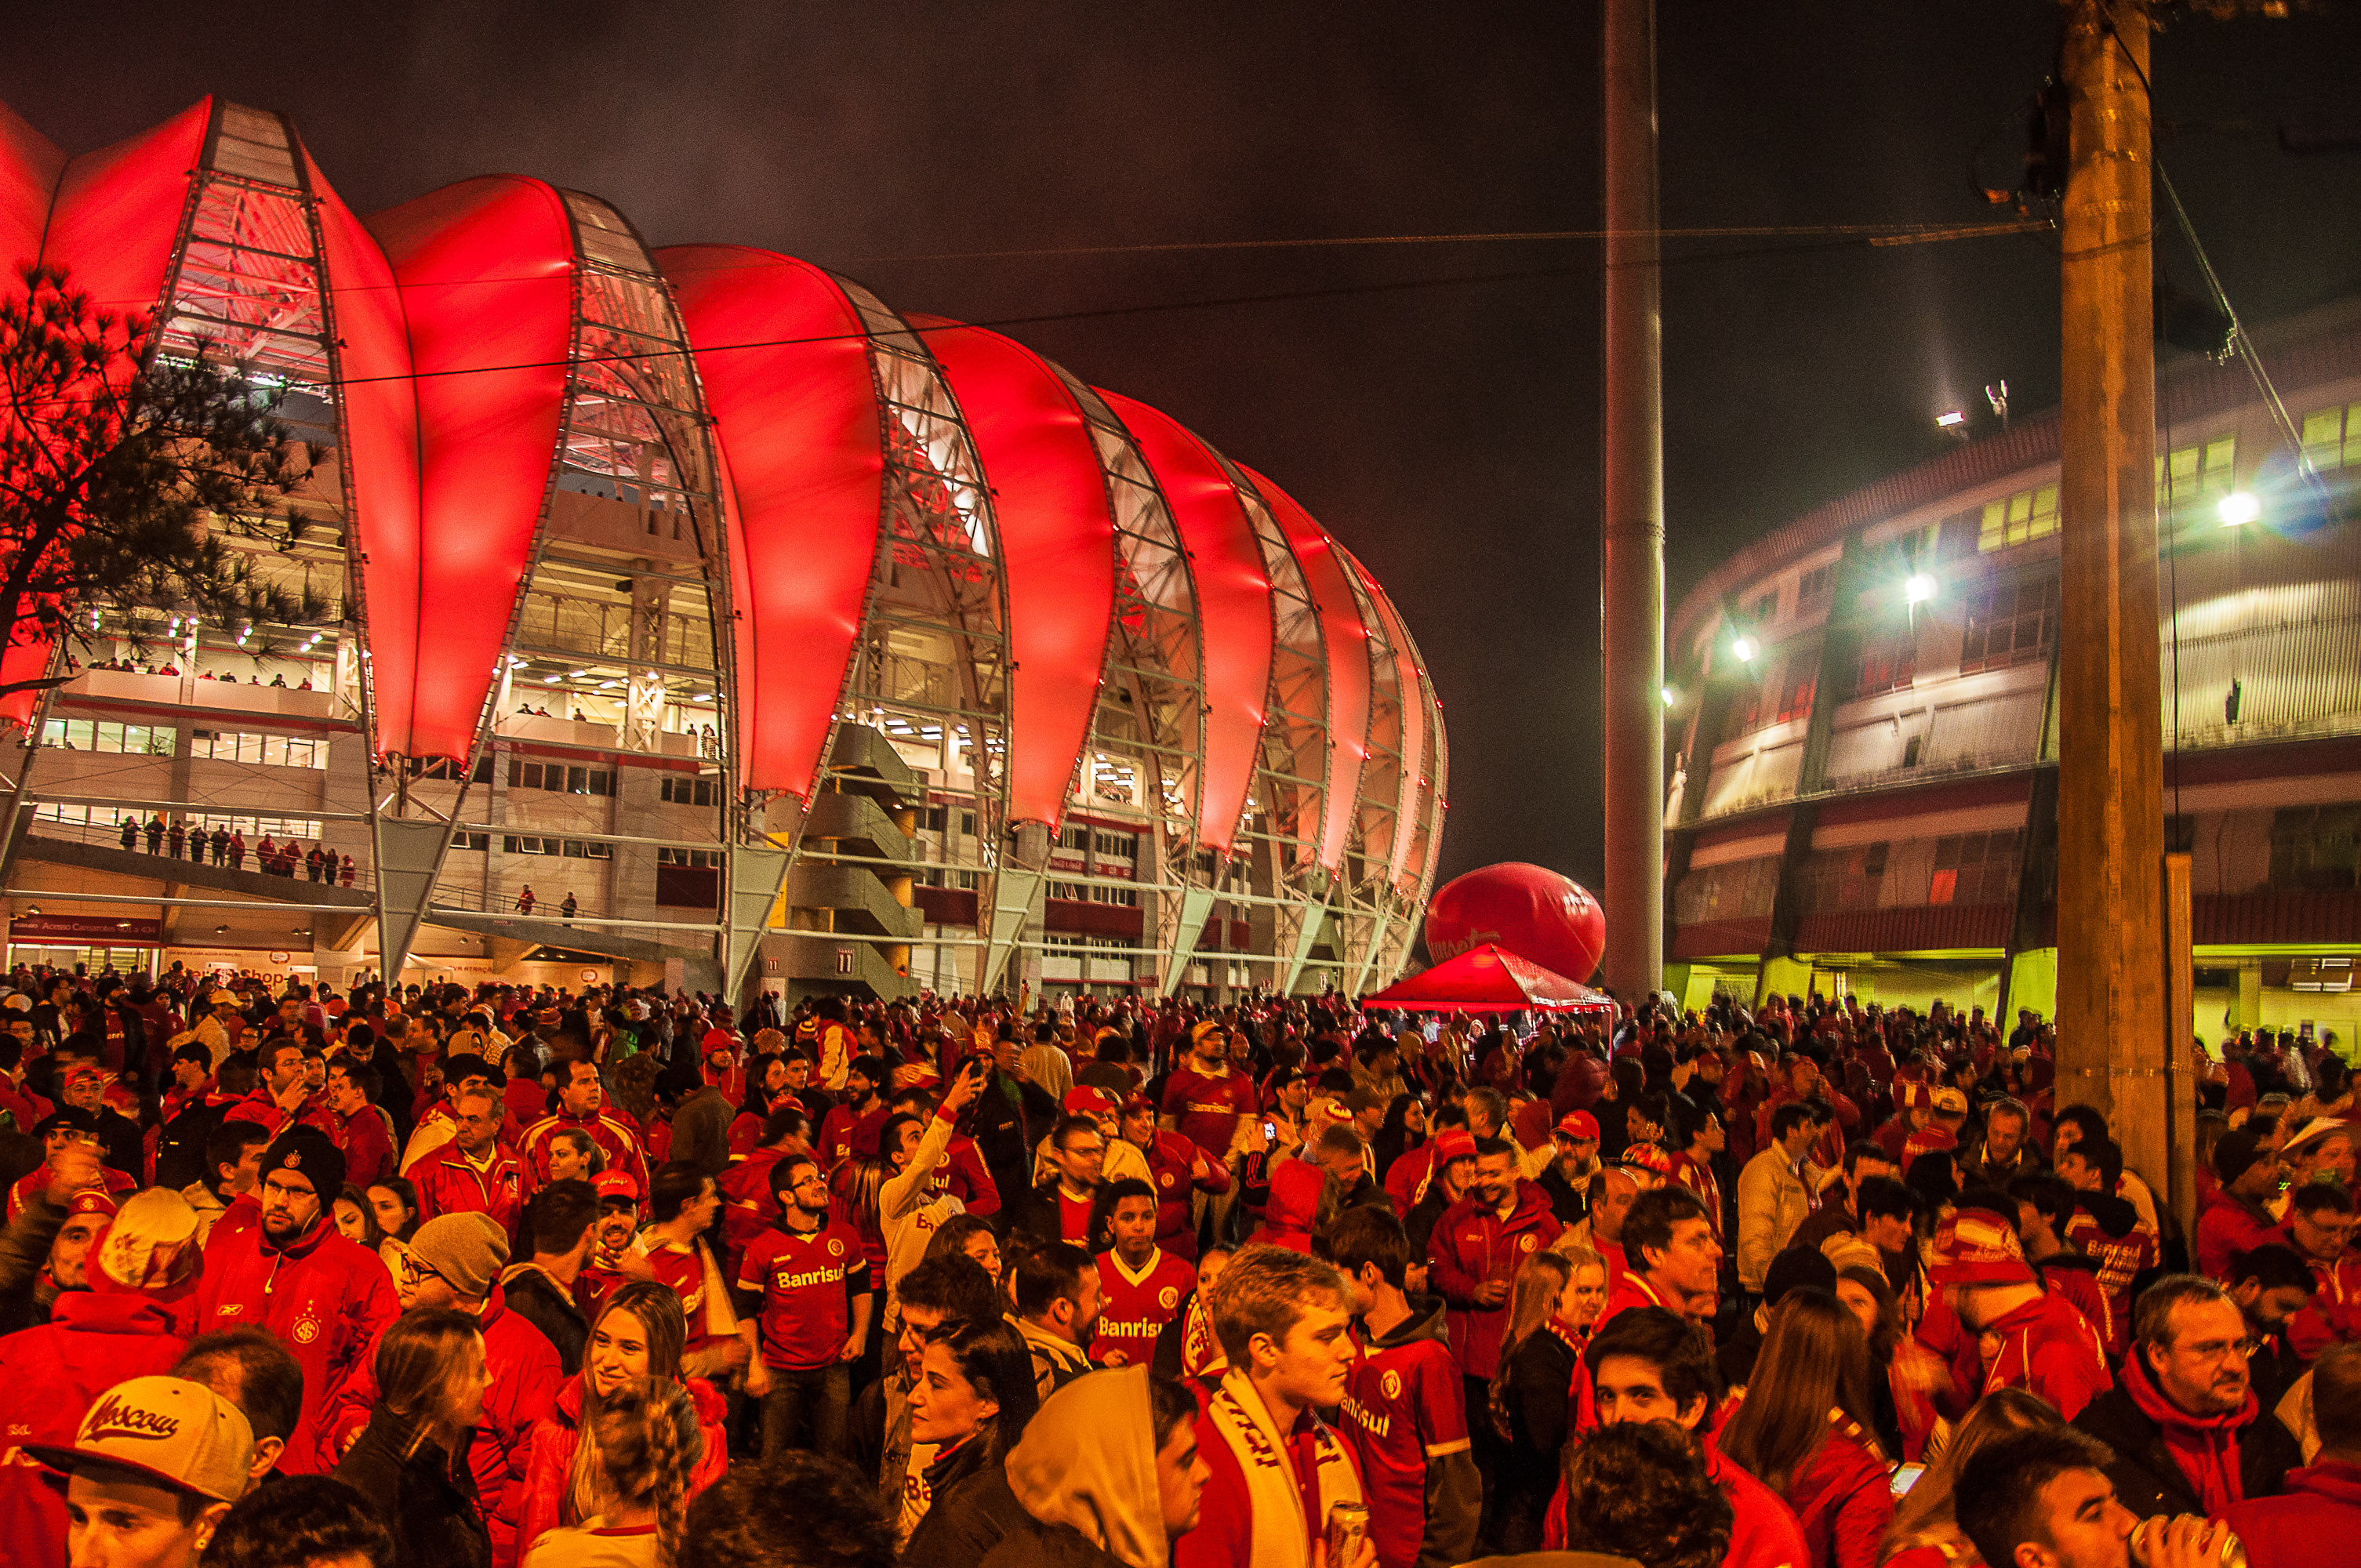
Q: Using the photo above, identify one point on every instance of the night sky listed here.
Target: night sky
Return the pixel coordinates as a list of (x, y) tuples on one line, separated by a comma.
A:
[(1435, 405)]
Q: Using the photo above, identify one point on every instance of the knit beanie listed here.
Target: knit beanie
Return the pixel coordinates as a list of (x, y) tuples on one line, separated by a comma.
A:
[(308, 1152), (468, 1250)]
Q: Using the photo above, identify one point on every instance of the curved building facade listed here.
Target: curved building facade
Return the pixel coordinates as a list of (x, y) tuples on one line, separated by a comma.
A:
[(695, 616), (1864, 715)]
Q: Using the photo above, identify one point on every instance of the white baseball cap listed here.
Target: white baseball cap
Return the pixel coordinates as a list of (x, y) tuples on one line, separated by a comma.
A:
[(176, 1431)]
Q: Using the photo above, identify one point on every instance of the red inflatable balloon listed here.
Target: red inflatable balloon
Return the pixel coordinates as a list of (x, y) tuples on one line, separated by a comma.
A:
[(1530, 910)]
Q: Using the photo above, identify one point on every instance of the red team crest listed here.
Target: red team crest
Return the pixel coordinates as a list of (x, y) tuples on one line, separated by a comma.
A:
[(1168, 1298)]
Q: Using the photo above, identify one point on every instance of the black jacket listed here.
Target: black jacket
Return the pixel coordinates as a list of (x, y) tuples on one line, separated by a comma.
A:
[(1035, 1212), (1541, 1370), (1029, 1543), (2147, 1480), (965, 1522), (425, 1496), (1569, 1203), (534, 1296)]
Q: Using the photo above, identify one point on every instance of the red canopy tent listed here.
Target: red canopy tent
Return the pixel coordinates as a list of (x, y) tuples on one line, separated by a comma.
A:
[(1489, 979)]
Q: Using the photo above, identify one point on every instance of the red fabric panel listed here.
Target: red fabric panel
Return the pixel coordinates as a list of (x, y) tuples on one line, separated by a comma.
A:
[(381, 409), (1233, 603), (29, 168), (1487, 979), (1057, 545), (785, 362), (1347, 642), (116, 218), (1414, 703), (485, 270), (2223, 919)]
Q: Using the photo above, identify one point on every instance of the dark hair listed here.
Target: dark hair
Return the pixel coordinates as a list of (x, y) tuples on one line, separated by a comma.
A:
[(953, 1234), (1065, 1130), (1652, 1216), (2274, 1266), (1675, 1346), (1169, 1405), (676, 1183), (268, 1387), (363, 1076), (889, 1134), (2103, 1155), (783, 1121), (2152, 1313), (2336, 1399), (194, 1051), (1814, 1360), (1641, 1490), (2047, 1195), (1367, 1233), (416, 1359), (2313, 1197), (954, 1285), (401, 1186), (2086, 1121), (1130, 1186), (372, 1234), (1998, 1501), (227, 1145), (793, 1510), (1051, 1272), (1865, 1148), (559, 1214), (1788, 1118), (297, 1520), (1882, 1196), (1493, 1147), (994, 1359)]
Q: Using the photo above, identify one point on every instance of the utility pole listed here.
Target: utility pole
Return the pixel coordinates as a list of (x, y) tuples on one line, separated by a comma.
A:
[(1631, 523), (2113, 1043)]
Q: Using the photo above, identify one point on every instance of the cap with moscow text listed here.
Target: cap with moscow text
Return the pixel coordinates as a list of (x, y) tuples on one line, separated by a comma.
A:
[(179, 1433)]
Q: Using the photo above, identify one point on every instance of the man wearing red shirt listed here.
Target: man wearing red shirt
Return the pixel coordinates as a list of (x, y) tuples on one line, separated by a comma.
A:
[(1203, 1099), (65, 1128), (811, 1280), (681, 1206), (1693, 1166), (281, 1096), (324, 1298), (2320, 1227), (1278, 1471), (355, 1125), (1404, 1408), (612, 1259), (748, 1206), (1674, 1262), (1180, 1168), (472, 1174), (2107, 1228), (581, 1101), (1474, 1252), (864, 1097), (2234, 1219), (1141, 1286), (2043, 1346)]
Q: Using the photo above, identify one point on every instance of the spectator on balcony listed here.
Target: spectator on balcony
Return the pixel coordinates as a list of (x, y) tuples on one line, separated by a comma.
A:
[(130, 833), (348, 872), (316, 862), (566, 910), (156, 834), (177, 837), (524, 900), (220, 845), (236, 850)]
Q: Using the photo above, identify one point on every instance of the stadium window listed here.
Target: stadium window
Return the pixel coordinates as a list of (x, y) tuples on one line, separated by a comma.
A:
[(2316, 847), (1974, 867), (1815, 584), (1803, 678), (687, 791), (967, 823), (2012, 622), (2196, 473), (932, 817), (471, 841), (1764, 610), (2331, 437), (1888, 662), (2024, 517), (124, 739), (1071, 891), (1070, 838)]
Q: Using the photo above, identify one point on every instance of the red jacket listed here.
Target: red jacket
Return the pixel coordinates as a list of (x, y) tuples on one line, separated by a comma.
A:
[(2333, 1313), (1287, 1218), (448, 1184), (1472, 1244), (49, 1377), (550, 1456), (965, 1176), (1843, 1499), (2049, 1348), (2227, 1227), (525, 1380), (1179, 1169), (614, 1134), (366, 1146), (748, 1208), (325, 1299), (2322, 1505)]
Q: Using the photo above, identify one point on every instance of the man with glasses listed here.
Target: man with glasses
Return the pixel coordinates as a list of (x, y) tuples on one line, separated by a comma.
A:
[(472, 1174), (2320, 1227), (1061, 1208), (806, 1317), (2179, 1420)]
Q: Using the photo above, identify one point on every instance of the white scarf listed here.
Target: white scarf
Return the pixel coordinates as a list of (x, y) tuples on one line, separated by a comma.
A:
[(1280, 1537)]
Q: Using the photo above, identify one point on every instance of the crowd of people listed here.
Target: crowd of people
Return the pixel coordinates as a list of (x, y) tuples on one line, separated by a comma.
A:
[(178, 839), (504, 1276)]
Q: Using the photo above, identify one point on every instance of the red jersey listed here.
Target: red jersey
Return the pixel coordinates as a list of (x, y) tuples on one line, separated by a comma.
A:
[(748, 1209), (36, 1181), (1697, 1176), (682, 1268), (2121, 1259), (615, 1135), (448, 1182), (806, 1279), (1405, 1407), (1180, 1169), (1209, 1108), (1134, 1307)]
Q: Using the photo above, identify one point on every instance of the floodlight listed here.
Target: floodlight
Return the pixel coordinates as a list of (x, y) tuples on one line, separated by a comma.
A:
[(1745, 647), (1920, 588), (1951, 419), (2238, 508)]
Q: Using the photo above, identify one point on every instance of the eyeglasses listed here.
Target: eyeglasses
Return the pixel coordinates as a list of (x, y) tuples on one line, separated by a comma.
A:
[(414, 1272), (2221, 1349)]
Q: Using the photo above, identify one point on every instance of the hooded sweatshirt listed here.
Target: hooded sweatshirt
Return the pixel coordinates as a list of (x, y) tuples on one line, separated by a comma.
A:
[(1085, 1474), (2322, 1504), (1404, 1412), (1295, 1188)]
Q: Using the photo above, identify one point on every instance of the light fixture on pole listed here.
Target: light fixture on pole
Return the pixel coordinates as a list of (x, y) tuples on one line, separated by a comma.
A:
[(1919, 588), (2238, 508), (1745, 647)]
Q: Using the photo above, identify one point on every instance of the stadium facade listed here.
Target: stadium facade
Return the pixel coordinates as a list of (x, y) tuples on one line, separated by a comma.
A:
[(767, 635), (1864, 710)]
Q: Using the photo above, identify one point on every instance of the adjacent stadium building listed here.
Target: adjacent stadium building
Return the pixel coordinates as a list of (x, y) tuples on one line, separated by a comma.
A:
[(766, 634), (1863, 709)]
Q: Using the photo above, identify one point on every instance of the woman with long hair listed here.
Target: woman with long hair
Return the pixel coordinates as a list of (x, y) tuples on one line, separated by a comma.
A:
[(430, 1378), (1907, 1380), (1807, 1432), (394, 1201), (357, 1220), (1404, 1130), (1529, 1406), (637, 1335), (973, 1395), (647, 1443), (1925, 1532)]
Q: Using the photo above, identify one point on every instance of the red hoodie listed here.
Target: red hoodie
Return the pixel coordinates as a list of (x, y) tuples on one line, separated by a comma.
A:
[(2322, 1504), (550, 1457), (2204, 1447), (1472, 1244), (1287, 1218)]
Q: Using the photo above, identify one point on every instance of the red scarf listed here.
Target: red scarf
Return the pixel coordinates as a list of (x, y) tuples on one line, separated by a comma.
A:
[(2205, 1447)]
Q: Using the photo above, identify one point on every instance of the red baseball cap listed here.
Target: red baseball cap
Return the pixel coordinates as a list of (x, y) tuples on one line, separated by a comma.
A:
[(1578, 1125), (1083, 1101), (1976, 1246), (616, 1184), (1455, 1143)]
